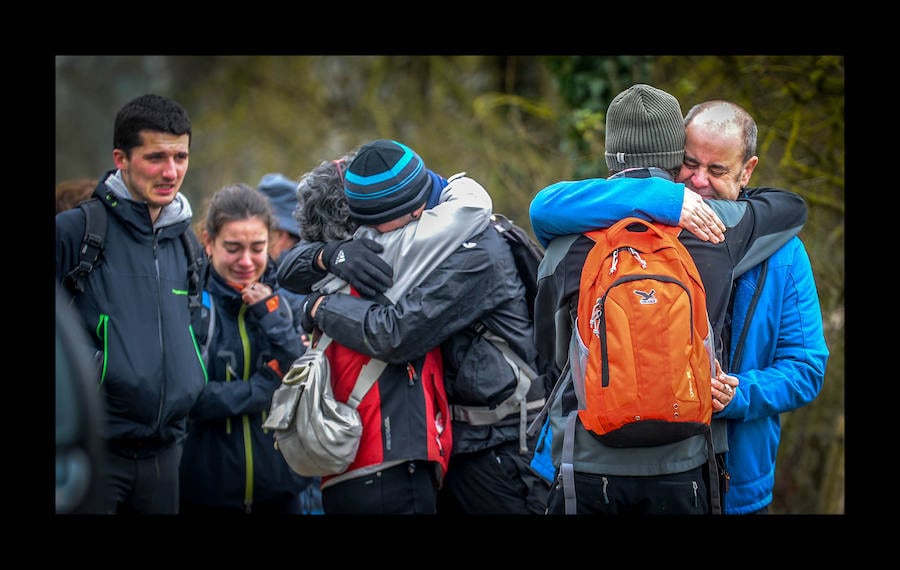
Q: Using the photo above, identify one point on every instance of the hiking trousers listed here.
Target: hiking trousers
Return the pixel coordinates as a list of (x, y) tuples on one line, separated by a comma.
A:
[(143, 482), (406, 489), (496, 481), (672, 494)]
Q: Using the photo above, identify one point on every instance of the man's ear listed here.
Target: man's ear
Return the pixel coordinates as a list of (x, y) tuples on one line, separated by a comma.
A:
[(120, 159), (747, 170), (417, 213)]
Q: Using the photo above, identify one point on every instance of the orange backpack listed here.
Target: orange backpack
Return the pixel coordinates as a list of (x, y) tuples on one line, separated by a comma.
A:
[(642, 357)]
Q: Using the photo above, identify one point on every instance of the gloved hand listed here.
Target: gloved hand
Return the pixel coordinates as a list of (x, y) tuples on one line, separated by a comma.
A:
[(356, 261), (306, 320)]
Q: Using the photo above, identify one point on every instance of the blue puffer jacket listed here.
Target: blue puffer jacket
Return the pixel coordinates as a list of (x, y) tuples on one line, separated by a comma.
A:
[(229, 460), (778, 353)]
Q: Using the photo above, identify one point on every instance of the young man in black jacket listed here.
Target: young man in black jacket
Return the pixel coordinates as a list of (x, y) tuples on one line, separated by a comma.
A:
[(135, 304)]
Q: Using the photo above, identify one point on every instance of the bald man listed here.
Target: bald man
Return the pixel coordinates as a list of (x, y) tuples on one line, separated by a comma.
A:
[(774, 337)]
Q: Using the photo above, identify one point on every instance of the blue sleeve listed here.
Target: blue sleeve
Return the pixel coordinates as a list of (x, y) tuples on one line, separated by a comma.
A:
[(571, 207), (69, 230), (784, 362)]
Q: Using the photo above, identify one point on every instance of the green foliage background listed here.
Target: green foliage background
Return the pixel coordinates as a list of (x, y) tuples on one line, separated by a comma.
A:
[(516, 124)]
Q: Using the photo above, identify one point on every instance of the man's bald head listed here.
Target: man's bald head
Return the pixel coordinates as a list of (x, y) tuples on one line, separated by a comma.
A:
[(725, 119)]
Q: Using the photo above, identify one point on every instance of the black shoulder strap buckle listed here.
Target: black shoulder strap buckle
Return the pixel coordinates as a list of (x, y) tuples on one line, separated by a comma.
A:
[(195, 266), (91, 243)]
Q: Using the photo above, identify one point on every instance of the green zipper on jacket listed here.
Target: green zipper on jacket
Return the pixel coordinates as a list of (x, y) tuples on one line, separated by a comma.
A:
[(199, 353), (245, 419), (102, 332), (242, 332)]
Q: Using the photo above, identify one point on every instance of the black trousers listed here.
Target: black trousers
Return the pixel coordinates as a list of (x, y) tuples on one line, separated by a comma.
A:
[(673, 494), (140, 483), (287, 504), (498, 480), (406, 489)]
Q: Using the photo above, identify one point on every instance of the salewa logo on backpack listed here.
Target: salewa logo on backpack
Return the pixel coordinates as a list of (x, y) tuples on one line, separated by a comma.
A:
[(647, 298)]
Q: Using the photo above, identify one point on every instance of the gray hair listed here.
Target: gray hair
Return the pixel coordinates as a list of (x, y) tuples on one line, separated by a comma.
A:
[(322, 209)]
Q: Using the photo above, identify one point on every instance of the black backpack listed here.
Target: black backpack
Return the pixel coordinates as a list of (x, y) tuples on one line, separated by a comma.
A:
[(92, 246), (527, 253), (529, 395)]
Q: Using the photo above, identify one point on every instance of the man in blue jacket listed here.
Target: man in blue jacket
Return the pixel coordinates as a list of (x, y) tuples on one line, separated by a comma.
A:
[(777, 345), (135, 304)]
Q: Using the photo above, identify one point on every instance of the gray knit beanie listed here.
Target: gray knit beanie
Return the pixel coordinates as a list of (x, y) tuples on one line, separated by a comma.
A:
[(644, 128)]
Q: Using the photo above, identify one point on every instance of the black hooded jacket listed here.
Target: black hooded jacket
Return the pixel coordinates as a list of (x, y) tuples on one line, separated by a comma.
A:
[(135, 310)]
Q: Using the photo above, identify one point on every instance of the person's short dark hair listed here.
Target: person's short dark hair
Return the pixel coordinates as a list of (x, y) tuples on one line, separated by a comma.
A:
[(152, 113)]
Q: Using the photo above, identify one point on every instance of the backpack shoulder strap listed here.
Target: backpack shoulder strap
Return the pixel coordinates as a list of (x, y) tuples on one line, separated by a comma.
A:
[(517, 401), (739, 352), (560, 382), (367, 376), (207, 314), (508, 229), (95, 223), (194, 252)]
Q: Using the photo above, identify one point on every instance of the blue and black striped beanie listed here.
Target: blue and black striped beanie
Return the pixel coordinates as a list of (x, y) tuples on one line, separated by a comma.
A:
[(384, 181)]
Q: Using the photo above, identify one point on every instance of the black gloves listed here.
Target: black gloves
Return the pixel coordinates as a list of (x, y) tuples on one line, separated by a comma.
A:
[(307, 321), (356, 261)]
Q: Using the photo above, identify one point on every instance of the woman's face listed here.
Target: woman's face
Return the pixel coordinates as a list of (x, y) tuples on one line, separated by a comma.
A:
[(240, 252)]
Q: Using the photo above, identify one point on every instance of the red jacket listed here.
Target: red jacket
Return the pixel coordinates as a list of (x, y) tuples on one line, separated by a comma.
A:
[(405, 414)]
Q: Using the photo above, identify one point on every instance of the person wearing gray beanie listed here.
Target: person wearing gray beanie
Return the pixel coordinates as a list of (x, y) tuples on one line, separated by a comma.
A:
[(644, 152), (644, 127)]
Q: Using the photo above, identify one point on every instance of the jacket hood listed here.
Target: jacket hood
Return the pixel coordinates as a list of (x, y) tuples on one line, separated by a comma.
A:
[(177, 211)]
